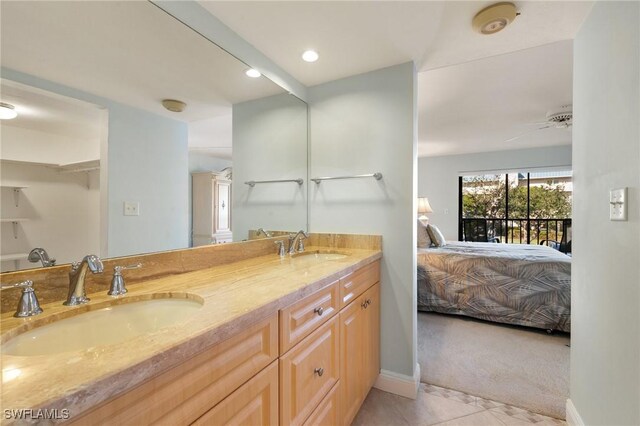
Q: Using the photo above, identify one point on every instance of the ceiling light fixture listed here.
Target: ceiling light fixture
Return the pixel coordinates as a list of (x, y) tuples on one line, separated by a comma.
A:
[(494, 18), (174, 105), (252, 73), (310, 56), (7, 111)]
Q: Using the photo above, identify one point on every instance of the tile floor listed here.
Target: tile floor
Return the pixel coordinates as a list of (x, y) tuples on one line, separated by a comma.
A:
[(443, 407)]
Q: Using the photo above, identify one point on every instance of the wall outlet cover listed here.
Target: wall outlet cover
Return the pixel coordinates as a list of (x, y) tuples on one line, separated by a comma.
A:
[(131, 208)]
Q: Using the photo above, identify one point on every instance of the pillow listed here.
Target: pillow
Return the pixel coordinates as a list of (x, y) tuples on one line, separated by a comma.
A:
[(424, 241), (436, 236)]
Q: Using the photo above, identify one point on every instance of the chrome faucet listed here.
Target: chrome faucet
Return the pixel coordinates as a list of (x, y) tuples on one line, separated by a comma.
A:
[(298, 238), (28, 304), (263, 231), (77, 294), (40, 255)]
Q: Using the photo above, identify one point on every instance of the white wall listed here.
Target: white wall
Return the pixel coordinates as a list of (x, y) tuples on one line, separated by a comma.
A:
[(269, 143), (23, 144), (365, 124), (63, 211), (438, 177), (145, 160), (605, 333)]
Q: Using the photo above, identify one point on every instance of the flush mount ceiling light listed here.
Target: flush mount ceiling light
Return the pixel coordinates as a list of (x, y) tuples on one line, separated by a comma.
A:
[(7, 111), (252, 73), (494, 18), (173, 105), (310, 56)]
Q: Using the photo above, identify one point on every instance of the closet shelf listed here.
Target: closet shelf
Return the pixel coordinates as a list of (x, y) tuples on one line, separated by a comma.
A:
[(13, 256), (14, 219)]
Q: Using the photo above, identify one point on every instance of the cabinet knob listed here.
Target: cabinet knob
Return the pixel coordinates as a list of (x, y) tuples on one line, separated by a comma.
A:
[(319, 371), (368, 302), (319, 310), (364, 305)]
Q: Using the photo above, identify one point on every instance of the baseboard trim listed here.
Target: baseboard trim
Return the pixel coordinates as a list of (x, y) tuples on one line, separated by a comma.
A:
[(573, 418), (399, 384)]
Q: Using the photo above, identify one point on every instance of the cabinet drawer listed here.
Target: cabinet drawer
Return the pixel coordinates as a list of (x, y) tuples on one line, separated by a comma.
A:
[(308, 372), (327, 413), (304, 316), (254, 403), (184, 393), (354, 284)]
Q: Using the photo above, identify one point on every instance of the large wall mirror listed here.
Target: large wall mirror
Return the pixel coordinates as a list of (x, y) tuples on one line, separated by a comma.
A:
[(95, 163)]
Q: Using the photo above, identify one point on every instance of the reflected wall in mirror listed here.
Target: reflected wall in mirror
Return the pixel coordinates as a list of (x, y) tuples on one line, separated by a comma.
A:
[(93, 163)]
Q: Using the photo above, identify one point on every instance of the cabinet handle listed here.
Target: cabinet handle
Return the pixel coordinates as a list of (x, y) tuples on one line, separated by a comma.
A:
[(319, 310), (368, 302), (319, 371), (364, 305)]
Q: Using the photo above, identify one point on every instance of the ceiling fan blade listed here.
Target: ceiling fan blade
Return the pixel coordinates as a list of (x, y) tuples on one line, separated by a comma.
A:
[(527, 132)]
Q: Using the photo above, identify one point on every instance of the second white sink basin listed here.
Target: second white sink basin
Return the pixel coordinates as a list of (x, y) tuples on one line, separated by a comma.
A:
[(107, 326)]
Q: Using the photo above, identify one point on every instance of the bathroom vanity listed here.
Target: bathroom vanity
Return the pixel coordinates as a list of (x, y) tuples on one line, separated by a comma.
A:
[(268, 340)]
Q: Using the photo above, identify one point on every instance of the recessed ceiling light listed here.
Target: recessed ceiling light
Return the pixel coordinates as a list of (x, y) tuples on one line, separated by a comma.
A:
[(7, 111), (310, 56), (252, 73)]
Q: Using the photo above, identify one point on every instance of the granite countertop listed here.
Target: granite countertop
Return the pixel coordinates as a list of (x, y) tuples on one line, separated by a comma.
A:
[(234, 296)]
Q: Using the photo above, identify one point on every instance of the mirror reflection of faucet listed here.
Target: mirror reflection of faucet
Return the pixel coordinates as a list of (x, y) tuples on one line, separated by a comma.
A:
[(77, 294), (263, 231), (28, 304), (298, 238), (39, 254), (118, 287)]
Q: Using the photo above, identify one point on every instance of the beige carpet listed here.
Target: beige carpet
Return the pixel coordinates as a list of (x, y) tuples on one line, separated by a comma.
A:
[(514, 365)]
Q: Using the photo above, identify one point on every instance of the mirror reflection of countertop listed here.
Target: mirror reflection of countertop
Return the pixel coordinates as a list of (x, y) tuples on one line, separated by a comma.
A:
[(233, 297)]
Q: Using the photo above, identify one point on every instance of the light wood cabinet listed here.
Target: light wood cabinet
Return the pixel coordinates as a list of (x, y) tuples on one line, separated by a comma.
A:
[(304, 316), (211, 208), (359, 351), (182, 394), (327, 363), (254, 403), (308, 372)]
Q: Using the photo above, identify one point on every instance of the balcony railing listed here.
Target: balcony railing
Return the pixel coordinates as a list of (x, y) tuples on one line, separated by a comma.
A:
[(515, 231)]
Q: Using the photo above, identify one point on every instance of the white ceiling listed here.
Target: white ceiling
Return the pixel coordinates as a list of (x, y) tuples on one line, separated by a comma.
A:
[(130, 52), (478, 105), (359, 36), (50, 113)]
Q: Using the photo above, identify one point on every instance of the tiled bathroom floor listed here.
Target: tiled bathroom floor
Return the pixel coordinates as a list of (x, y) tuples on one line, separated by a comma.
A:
[(443, 407)]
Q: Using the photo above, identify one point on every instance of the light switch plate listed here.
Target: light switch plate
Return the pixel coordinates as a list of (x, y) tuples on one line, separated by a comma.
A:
[(618, 204), (131, 208)]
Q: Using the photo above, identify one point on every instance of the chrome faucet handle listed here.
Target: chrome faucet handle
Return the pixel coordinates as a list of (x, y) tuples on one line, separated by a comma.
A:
[(28, 304), (118, 287), (281, 249)]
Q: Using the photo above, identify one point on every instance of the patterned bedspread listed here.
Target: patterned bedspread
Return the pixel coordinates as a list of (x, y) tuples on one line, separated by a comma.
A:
[(519, 284)]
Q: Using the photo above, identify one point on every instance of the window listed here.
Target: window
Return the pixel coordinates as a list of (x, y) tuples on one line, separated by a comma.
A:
[(515, 207)]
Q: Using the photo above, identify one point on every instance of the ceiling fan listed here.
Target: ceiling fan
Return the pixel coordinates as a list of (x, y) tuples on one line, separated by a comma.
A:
[(561, 118)]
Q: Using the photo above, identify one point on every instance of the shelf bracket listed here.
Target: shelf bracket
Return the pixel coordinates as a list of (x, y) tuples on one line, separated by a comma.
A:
[(16, 196), (15, 229)]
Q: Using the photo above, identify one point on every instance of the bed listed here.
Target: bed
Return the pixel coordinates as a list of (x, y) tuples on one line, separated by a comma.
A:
[(528, 285)]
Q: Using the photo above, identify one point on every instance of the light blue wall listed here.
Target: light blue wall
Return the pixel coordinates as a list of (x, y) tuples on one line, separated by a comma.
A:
[(366, 124), (438, 177), (147, 161)]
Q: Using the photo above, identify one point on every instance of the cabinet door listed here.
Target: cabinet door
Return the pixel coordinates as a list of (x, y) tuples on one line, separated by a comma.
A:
[(223, 206), (372, 335), (254, 403), (352, 370)]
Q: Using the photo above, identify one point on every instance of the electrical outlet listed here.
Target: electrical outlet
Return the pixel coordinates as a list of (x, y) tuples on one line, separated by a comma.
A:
[(131, 208), (618, 204)]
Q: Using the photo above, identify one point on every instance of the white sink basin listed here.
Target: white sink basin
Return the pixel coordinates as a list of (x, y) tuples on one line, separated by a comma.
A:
[(106, 326), (320, 256)]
